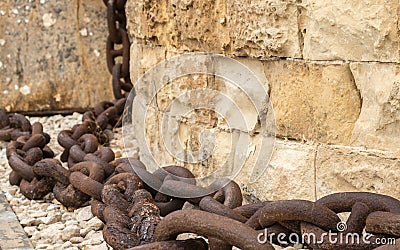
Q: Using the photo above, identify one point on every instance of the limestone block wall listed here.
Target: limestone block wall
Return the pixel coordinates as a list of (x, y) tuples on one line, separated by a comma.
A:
[(52, 54), (331, 69)]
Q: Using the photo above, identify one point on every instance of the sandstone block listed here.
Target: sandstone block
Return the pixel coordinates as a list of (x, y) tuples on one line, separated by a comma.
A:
[(52, 55), (345, 169), (289, 174), (357, 30), (251, 28), (313, 101), (378, 126)]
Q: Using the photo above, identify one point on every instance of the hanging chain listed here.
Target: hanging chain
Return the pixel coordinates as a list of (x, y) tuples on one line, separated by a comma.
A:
[(118, 46)]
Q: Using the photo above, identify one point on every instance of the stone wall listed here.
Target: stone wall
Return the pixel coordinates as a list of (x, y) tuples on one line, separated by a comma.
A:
[(332, 72), (52, 54)]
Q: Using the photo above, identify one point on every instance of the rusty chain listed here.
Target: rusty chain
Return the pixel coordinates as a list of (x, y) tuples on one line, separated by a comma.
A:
[(118, 37), (132, 211)]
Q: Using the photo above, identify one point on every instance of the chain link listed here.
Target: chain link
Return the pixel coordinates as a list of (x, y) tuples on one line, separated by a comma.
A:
[(118, 46)]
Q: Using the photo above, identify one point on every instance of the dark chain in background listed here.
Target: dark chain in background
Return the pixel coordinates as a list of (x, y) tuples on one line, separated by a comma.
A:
[(137, 216), (118, 37)]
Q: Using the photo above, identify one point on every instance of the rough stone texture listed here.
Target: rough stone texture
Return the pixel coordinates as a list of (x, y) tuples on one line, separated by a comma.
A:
[(52, 55), (251, 28), (349, 169), (263, 28), (312, 101), (289, 174), (379, 123), (357, 30)]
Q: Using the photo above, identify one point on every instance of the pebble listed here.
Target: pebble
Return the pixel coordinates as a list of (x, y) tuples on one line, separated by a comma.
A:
[(28, 221), (38, 214), (66, 244), (83, 214), (102, 246), (71, 222), (50, 219), (75, 240), (30, 230), (94, 224), (70, 231), (42, 246)]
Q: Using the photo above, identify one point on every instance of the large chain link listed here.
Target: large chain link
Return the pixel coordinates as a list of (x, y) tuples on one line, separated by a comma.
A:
[(118, 37)]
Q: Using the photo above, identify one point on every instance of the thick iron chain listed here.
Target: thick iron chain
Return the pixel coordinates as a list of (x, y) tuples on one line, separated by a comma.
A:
[(118, 37)]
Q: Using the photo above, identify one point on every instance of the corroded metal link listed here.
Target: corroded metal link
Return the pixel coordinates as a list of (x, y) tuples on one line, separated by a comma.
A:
[(21, 167), (89, 182), (165, 203), (20, 121), (4, 120), (120, 104), (13, 147), (76, 154), (37, 128), (144, 215), (88, 143), (190, 244), (69, 196), (230, 195), (36, 189), (103, 157), (87, 127), (119, 4), (52, 168), (113, 53), (298, 210), (211, 205), (65, 139), (356, 221), (118, 190), (101, 106), (36, 140), (14, 178), (113, 214), (117, 84), (208, 225), (141, 221), (107, 116), (97, 207), (130, 161), (116, 20), (383, 223), (343, 202), (5, 134), (119, 237), (33, 155)]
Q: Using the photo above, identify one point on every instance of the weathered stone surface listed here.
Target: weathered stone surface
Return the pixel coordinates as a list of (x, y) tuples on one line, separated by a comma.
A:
[(251, 28), (289, 174), (313, 101), (52, 55), (340, 169), (186, 25), (358, 30), (379, 123), (263, 28)]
